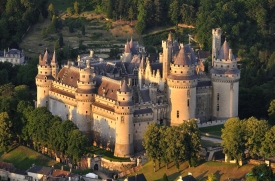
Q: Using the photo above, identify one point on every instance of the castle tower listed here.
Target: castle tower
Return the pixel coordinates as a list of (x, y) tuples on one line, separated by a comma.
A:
[(182, 83), (43, 80), (84, 98), (166, 56), (141, 73), (54, 65), (225, 77), (216, 42), (127, 55), (124, 125)]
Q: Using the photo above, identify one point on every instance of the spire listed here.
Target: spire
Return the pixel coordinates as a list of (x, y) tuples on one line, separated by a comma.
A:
[(124, 87), (169, 36), (131, 43), (142, 64), (224, 52), (44, 60), (182, 58), (54, 58), (127, 48)]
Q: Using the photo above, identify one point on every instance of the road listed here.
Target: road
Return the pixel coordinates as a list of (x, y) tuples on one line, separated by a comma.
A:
[(214, 140)]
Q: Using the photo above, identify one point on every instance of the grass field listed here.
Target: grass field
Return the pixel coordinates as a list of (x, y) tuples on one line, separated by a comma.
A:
[(107, 154), (220, 169), (215, 130), (23, 158)]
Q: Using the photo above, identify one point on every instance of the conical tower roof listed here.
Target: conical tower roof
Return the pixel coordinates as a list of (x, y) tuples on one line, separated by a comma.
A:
[(45, 59), (127, 48), (124, 87), (54, 58), (182, 58), (224, 52), (142, 64)]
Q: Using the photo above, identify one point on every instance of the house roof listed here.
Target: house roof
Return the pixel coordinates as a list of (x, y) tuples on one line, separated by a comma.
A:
[(18, 171), (6, 166), (138, 177), (143, 111), (189, 178), (40, 170)]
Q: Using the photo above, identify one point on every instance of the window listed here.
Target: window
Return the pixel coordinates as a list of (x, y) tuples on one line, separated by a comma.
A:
[(122, 119), (218, 96), (188, 102), (218, 107), (178, 114)]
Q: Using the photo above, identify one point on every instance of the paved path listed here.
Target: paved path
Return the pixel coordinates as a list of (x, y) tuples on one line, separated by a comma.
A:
[(215, 140), (101, 174)]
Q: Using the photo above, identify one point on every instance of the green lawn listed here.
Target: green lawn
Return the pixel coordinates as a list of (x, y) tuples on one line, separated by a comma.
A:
[(220, 169), (215, 130), (23, 158), (107, 154)]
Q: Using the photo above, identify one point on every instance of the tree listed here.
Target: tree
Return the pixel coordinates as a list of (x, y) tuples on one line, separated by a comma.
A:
[(76, 7), (51, 28), (271, 113), (77, 142), (71, 28), (83, 30), (268, 145), (140, 26), (263, 172), (5, 133), (174, 11), (158, 12), (151, 143), (233, 139), (212, 177), (51, 11), (61, 42), (40, 18), (69, 11), (56, 45), (44, 33), (163, 142), (4, 77), (255, 131), (131, 14)]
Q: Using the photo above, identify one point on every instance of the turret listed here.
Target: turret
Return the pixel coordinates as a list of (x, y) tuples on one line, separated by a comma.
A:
[(182, 83), (54, 65), (127, 55), (84, 97), (225, 77), (141, 73), (216, 42), (124, 125), (43, 80), (166, 56)]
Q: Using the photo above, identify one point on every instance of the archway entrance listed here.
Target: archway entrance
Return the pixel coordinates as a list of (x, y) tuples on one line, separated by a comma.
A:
[(96, 166)]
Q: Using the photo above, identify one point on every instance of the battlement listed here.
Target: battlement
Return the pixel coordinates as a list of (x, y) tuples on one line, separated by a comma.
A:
[(99, 98), (66, 99), (182, 83), (216, 31), (64, 87)]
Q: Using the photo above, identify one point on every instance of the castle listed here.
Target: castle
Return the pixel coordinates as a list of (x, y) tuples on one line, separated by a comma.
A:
[(113, 102)]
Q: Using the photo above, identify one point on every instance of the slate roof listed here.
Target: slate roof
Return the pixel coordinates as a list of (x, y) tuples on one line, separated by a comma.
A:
[(40, 170), (143, 111), (182, 77), (204, 83), (124, 87), (224, 52), (46, 59), (182, 58), (110, 87), (138, 177), (188, 178), (18, 171), (157, 66), (144, 93)]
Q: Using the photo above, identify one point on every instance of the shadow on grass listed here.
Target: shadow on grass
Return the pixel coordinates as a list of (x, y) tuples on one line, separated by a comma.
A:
[(218, 174), (173, 176), (202, 176)]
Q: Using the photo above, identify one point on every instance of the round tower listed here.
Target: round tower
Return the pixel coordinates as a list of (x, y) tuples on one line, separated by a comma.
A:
[(182, 83), (225, 77), (43, 80), (124, 125), (84, 98)]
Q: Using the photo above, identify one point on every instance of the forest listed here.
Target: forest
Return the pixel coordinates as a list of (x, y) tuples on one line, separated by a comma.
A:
[(248, 26)]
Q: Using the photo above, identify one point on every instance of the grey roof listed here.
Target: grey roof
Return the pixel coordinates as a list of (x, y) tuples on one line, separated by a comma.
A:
[(189, 178), (40, 170), (189, 50), (224, 71), (204, 84), (18, 171), (143, 111), (124, 87), (182, 58), (224, 51), (144, 93), (176, 47), (182, 77), (138, 177)]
